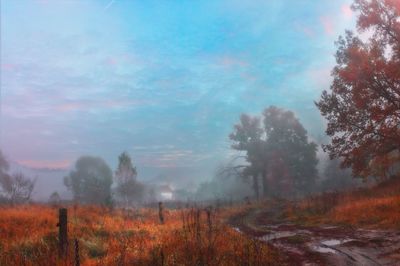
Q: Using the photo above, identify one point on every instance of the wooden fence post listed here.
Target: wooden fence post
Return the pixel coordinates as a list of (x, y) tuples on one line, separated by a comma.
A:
[(160, 212), (62, 232), (77, 261)]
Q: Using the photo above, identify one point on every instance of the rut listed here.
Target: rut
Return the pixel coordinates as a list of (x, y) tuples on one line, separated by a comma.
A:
[(321, 245)]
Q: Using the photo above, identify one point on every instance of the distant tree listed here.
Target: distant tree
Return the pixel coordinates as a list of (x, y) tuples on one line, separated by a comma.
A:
[(227, 183), (363, 105), (279, 151), (291, 159), (90, 181), (16, 188), (4, 166), (55, 198), (247, 137), (336, 178), (128, 188)]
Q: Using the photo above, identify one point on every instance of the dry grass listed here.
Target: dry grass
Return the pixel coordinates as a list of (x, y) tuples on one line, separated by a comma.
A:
[(374, 207), (382, 212), (28, 236)]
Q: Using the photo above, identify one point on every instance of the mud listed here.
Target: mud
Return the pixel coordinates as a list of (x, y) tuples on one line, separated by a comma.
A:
[(324, 244)]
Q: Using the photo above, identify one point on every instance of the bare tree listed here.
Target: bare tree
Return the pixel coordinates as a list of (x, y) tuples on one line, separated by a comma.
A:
[(16, 188)]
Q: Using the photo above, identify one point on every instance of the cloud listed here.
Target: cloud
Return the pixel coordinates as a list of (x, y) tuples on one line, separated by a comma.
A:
[(48, 164), (168, 80), (327, 24), (306, 30), (346, 11)]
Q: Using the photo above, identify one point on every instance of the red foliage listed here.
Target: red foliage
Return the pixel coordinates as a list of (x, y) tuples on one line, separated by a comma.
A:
[(363, 106)]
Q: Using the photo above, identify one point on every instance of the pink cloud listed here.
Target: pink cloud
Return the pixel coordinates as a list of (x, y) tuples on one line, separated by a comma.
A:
[(8, 67), (67, 107), (111, 61), (60, 164), (92, 105), (230, 61), (346, 11), (327, 25), (304, 29)]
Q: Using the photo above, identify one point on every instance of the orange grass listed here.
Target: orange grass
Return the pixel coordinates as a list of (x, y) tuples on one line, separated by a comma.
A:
[(374, 207), (28, 236), (383, 212)]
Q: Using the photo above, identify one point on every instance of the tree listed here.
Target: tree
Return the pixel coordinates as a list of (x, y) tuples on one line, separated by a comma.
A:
[(337, 178), (91, 181), (278, 151), (248, 137), (290, 163), (4, 166), (54, 198), (128, 188), (363, 105), (14, 188)]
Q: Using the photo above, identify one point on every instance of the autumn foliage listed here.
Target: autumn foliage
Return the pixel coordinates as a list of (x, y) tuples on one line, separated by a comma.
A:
[(363, 105)]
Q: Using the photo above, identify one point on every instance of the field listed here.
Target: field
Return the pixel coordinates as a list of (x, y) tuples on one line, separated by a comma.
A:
[(207, 236), (29, 236)]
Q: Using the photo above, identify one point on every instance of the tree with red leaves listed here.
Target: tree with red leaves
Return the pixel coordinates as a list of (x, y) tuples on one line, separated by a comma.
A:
[(363, 105)]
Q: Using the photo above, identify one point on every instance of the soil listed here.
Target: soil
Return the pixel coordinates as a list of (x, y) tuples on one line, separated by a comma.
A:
[(322, 244)]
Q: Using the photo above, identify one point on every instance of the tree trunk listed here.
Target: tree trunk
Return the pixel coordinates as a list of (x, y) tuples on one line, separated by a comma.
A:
[(264, 182), (256, 186)]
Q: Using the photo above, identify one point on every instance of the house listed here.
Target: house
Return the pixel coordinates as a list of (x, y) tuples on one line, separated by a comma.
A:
[(164, 193)]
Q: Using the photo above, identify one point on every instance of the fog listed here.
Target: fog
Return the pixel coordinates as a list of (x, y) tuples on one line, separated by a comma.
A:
[(166, 83)]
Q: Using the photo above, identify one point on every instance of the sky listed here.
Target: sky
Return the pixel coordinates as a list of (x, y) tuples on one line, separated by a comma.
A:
[(163, 80)]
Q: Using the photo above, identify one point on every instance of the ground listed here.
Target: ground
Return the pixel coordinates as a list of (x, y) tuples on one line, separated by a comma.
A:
[(358, 227), (320, 244)]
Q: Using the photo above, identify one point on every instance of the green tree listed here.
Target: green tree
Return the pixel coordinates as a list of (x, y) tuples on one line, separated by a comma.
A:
[(90, 181)]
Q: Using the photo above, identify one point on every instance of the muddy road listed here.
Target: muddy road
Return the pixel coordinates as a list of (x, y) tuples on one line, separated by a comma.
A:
[(321, 245)]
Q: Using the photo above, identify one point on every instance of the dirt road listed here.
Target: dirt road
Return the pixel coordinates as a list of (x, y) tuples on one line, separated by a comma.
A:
[(324, 244)]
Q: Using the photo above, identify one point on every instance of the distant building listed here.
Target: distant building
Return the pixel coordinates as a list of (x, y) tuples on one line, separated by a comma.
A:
[(165, 192)]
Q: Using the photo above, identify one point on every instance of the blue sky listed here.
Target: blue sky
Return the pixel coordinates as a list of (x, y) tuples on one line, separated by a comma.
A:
[(163, 80)]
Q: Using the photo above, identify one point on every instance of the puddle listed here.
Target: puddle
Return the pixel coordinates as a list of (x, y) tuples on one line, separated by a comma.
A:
[(325, 246), (323, 249), (335, 242), (237, 229), (328, 227), (277, 235)]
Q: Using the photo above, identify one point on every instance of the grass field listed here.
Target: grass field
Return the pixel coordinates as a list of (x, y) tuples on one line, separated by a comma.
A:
[(190, 236), (29, 236)]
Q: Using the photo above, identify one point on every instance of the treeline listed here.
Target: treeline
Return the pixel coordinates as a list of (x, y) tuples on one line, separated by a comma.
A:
[(275, 159), (91, 181)]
